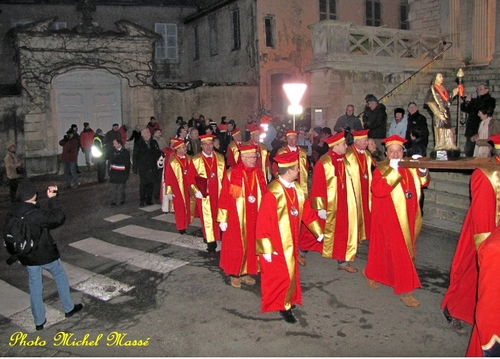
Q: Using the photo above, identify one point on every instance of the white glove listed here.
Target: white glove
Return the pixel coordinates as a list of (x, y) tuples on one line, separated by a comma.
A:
[(198, 195), (322, 213), (267, 257), (170, 196), (416, 157), (423, 171), (269, 177), (394, 163), (223, 226), (320, 238), (160, 162)]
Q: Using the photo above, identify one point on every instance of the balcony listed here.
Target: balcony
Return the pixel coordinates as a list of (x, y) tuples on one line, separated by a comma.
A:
[(341, 45)]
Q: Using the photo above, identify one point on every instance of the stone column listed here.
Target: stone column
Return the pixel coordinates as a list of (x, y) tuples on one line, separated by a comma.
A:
[(496, 43), (481, 45), (450, 28)]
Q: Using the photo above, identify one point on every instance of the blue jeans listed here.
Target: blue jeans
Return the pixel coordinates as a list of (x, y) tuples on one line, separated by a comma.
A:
[(36, 287), (70, 173)]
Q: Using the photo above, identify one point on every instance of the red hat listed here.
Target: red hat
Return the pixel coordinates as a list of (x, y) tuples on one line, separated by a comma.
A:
[(235, 132), (254, 129), (206, 138), (287, 159), (176, 143), (335, 139), (247, 148), (496, 141), (360, 134), (222, 127), (394, 140), (291, 132)]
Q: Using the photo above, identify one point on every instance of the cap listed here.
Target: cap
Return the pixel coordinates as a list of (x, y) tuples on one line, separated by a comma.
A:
[(254, 129), (247, 148), (360, 134), (399, 110), (291, 133), (235, 132), (70, 131), (27, 190), (10, 144), (212, 123), (370, 98), (318, 129), (98, 131), (335, 139), (287, 159), (176, 143), (85, 124), (222, 127), (393, 140), (151, 118), (204, 138), (496, 141)]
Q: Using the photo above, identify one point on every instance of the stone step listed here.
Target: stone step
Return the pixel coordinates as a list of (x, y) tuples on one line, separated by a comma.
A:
[(444, 212), (456, 188), (449, 199), (442, 224), (455, 176)]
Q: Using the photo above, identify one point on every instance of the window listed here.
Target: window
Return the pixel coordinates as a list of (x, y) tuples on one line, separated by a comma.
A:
[(196, 43), (166, 47), (327, 10), (269, 30), (404, 9), (236, 29), (58, 25), (212, 27), (373, 13)]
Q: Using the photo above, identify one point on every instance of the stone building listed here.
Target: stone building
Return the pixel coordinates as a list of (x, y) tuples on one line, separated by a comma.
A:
[(67, 61)]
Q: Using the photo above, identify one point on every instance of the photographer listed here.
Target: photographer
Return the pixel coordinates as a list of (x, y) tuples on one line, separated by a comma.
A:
[(44, 254)]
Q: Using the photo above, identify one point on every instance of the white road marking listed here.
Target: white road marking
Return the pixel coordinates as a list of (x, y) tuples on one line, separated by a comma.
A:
[(151, 208), (117, 218), (170, 218)]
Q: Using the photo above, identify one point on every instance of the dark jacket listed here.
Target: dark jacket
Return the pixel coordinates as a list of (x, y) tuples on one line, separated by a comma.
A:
[(417, 120), (417, 148), (472, 107), (70, 148), (41, 222), (108, 139), (119, 166), (375, 121), (145, 158)]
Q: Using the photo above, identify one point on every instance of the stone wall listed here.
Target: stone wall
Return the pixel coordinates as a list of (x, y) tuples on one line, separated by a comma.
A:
[(11, 128), (425, 15)]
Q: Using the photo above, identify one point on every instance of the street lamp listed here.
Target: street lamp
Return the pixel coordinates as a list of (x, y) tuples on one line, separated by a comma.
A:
[(294, 92)]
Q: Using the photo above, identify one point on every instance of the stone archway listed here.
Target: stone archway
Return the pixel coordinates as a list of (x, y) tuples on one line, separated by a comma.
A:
[(87, 96)]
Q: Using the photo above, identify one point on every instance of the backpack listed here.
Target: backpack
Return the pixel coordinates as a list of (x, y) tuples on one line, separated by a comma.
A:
[(17, 236)]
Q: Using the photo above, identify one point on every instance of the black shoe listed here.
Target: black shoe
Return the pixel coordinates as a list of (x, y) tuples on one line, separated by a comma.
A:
[(447, 315), (149, 203), (211, 255), (122, 202), (288, 316), (40, 327), (182, 231), (75, 309), (113, 203)]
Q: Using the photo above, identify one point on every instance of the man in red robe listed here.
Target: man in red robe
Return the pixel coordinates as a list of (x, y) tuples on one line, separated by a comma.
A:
[(204, 177), (233, 153), (396, 223), (332, 195), (263, 161), (361, 163), (241, 196), (485, 337), (291, 146), (280, 215), (165, 201), (176, 185), (459, 301)]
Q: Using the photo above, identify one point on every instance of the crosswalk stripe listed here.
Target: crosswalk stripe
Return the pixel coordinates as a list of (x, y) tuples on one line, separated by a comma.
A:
[(150, 261), (117, 218), (163, 237), (151, 208), (170, 218), (94, 284), (16, 307)]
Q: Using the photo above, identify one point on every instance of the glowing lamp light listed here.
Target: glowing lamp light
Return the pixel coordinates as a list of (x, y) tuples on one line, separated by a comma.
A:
[(294, 92)]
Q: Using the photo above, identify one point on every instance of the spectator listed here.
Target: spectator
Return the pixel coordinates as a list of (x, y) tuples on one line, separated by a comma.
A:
[(12, 163), (375, 119), (123, 132), (399, 124), (86, 141), (348, 121), (417, 144), (45, 255), (113, 134), (69, 158), (145, 156), (374, 150), (99, 151), (153, 125), (194, 143), (416, 121), (119, 170), (321, 147), (487, 128), (249, 125), (162, 143)]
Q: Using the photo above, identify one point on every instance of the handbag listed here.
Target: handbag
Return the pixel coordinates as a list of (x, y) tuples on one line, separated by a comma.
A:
[(20, 169)]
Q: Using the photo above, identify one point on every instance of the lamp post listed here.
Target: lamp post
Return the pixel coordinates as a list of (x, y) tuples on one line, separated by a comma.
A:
[(294, 92)]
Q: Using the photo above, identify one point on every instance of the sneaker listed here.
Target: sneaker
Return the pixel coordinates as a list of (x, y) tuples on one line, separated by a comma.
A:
[(75, 309), (40, 327)]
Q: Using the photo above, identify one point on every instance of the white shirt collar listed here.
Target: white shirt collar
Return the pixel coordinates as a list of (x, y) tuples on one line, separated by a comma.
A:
[(293, 149), (207, 156), (286, 183)]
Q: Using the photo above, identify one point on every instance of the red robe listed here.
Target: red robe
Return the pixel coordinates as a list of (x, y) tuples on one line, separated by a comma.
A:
[(482, 217), (237, 256), (303, 167), (205, 175), (332, 191), (278, 231), (486, 331), (176, 184), (396, 223), (232, 154), (262, 158), (361, 176), (166, 205)]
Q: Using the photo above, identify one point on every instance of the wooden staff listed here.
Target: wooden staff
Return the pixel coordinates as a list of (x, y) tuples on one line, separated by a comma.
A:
[(465, 163)]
